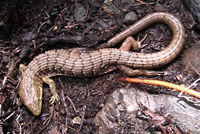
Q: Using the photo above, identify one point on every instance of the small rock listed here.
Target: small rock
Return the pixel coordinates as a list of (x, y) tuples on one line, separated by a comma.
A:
[(130, 18), (194, 7), (123, 105), (110, 8), (80, 13), (192, 59), (159, 8), (5, 59), (54, 130), (27, 36), (103, 24), (77, 120)]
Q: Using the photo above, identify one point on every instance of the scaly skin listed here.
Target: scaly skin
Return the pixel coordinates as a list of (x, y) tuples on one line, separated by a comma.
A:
[(80, 62)]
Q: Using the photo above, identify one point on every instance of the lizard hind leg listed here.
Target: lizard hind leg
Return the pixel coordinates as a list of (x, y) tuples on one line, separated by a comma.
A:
[(134, 72), (136, 45), (131, 42)]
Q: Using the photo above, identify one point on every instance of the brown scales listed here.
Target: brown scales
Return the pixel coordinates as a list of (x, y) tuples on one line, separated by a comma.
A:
[(80, 62)]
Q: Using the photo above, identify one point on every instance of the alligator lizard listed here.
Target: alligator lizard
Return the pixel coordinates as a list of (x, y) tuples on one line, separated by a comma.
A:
[(80, 62)]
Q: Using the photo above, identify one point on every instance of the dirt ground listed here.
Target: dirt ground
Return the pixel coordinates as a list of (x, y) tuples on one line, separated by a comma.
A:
[(28, 28)]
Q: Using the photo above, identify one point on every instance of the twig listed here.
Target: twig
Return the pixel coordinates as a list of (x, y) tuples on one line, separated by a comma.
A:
[(164, 84), (194, 83), (64, 102), (82, 118), (12, 64), (20, 127), (9, 116), (47, 121), (73, 105), (145, 3)]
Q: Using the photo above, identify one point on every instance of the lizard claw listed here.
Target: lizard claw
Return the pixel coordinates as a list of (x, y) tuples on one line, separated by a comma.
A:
[(54, 98), (140, 42)]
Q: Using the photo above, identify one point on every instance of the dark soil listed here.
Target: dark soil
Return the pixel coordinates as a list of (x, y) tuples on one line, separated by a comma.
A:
[(28, 28)]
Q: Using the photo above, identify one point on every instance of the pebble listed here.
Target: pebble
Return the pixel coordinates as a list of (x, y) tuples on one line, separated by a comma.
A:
[(192, 59), (123, 106), (80, 13), (130, 18)]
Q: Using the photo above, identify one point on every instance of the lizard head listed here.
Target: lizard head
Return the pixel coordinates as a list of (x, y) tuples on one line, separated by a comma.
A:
[(31, 94)]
